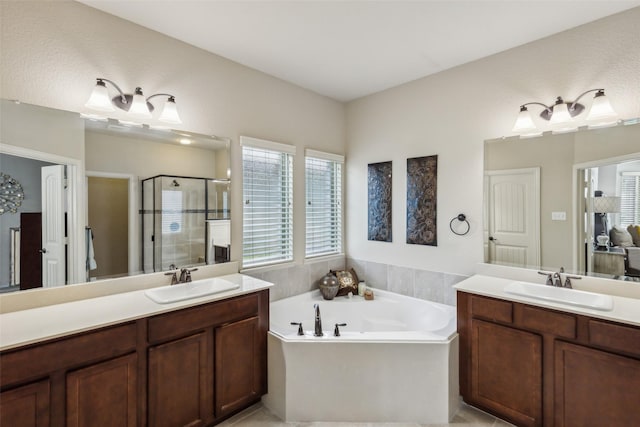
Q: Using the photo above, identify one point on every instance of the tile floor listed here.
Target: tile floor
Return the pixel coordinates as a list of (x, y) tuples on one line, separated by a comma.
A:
[(259, 416)]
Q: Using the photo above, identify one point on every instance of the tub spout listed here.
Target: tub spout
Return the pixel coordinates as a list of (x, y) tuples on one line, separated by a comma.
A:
[(318, 328)]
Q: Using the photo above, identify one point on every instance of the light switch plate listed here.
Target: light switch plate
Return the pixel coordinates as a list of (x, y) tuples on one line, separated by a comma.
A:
[(558, 216)]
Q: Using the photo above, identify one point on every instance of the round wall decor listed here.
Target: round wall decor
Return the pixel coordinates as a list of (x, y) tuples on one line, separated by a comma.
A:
[(11, 194)]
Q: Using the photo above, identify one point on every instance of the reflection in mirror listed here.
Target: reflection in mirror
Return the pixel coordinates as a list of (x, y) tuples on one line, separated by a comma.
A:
[(181, 225), (174, 205), (117, 158), (539, 200)]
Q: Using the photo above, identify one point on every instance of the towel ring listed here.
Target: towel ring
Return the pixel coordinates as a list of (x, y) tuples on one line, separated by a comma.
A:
[(462, 218)]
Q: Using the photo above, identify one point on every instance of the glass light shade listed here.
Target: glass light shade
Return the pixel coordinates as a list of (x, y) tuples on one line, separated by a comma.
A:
[(601, 113), (524, 122), (139, 107), (561, 121), (99, 99), (169, 113), (560, 114)]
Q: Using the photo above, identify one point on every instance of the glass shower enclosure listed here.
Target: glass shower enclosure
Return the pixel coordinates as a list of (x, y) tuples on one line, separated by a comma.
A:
[(185, 222)]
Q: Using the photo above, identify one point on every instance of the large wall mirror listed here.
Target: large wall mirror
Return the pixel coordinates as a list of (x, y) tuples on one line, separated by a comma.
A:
[(102, 199), (567, 201)]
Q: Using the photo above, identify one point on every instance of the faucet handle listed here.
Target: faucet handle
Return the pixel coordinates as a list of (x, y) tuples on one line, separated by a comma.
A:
[(549, 281), (174, 278), (567, 282), (336, 331), (299, 325)]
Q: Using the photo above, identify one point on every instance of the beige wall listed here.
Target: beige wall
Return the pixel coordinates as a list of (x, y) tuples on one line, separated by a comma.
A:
[(554, 156), (59, 133), (108, 207), (451, 113), (145, 158), (52, 51)]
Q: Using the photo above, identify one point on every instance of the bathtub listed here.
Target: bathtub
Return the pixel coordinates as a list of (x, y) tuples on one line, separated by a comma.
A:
[(395, 361)]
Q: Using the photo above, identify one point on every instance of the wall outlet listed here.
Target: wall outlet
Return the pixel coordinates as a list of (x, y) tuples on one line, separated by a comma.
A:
[(558, 216)]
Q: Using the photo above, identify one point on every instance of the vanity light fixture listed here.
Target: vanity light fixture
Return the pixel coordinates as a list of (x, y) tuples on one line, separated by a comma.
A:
[(136, 106), (562, 113)]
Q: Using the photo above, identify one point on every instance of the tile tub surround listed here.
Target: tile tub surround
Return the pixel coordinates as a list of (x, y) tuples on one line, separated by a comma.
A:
[(290, 280), (433, 286)]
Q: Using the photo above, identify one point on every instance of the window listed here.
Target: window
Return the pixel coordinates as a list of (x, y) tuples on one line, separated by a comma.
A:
[(630, 198), (267, 217), (323, 203), (171, 211)]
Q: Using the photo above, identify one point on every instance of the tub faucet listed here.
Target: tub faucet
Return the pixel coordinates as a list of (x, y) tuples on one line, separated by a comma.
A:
[(318, 328)]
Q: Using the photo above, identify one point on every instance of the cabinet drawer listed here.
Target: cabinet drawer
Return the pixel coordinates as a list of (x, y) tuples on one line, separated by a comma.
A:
[(492, 309), (616, 337), (546, 321), (79, 350), (182, 322)]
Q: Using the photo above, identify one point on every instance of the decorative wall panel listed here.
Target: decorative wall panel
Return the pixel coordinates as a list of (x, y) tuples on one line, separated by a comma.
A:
[(379, 184), (422, 191)]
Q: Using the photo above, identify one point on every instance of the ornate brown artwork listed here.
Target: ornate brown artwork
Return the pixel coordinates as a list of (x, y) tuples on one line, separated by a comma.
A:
[(422, 190), (379, 185)]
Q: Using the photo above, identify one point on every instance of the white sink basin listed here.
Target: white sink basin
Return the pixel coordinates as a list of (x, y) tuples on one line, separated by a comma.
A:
[(185, 291), (561, 295)]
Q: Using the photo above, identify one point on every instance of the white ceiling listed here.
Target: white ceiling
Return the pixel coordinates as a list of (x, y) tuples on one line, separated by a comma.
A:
[(349, 49)]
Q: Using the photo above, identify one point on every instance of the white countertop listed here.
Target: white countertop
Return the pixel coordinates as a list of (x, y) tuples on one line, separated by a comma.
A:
[(37, 324), (625, 310)]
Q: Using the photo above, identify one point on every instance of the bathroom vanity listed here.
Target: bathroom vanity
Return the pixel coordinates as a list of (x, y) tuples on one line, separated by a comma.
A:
[(537, 363), (190, 363)]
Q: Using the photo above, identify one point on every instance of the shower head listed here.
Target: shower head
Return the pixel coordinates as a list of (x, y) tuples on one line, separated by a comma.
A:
[(175, 183)]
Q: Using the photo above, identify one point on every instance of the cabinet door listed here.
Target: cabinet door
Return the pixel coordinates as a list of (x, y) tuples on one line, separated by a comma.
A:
[(26, 406), (595, 388), (180, 384), (104, 394), (506, 372), (238, 365)]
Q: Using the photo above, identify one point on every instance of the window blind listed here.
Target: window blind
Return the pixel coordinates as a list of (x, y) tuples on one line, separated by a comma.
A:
[(630, 198), (267, 227), (171, 211), (323, 183)]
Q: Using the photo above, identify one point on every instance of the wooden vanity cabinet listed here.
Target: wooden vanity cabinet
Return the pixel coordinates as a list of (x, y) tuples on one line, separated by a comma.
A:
[(86, 379), (240, 374), (539, 367), (190, 367), (207, 362)]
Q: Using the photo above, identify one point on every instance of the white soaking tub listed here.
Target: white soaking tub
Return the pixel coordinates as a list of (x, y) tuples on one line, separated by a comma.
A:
[(395, 361)]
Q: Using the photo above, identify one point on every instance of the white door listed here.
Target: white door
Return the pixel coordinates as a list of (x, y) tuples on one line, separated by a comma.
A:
[(513, 217), (53, 230), (589, 185)]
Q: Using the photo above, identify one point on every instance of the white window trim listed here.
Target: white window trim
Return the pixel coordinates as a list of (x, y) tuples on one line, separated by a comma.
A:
[(281, 148), (337, 158), (248, 141)]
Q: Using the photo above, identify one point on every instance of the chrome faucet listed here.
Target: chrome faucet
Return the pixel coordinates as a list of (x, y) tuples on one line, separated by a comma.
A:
[(185, 275), (557, 280), (318, 328)]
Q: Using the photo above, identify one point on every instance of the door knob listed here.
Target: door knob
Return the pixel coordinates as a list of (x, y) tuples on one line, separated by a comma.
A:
[(43, 250), (493, 239)]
